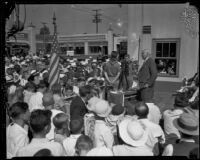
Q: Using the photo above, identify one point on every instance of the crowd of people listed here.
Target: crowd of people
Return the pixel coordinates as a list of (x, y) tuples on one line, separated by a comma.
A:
[(75, 117)]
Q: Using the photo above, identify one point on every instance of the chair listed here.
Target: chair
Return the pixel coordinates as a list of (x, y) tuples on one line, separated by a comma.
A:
[(168, 151)]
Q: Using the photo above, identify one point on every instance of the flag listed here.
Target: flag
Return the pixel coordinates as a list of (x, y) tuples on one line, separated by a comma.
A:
[(54, 62)]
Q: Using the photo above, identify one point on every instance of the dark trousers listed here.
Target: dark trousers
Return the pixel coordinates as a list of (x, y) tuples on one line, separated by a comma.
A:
[(146, 94)]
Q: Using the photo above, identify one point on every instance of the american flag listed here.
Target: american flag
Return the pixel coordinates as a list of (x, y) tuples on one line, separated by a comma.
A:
[(54, 62)]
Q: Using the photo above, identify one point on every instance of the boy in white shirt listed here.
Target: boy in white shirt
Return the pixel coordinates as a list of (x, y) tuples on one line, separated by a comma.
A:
[(76, 129), (40, 123), (17, 131)]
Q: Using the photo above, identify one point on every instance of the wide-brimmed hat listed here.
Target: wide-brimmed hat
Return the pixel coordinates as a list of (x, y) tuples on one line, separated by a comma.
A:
[(102, 108), (133, 132), (187, 123), (92, 102)]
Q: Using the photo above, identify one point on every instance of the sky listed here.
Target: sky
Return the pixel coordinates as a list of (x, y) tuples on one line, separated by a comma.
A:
[(77, 18)]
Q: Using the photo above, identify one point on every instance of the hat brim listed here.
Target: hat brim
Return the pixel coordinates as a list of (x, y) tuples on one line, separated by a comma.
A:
[(193, 133), (126, 137), (106, 113)]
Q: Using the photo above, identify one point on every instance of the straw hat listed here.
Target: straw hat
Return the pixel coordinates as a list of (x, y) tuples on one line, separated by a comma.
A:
[(187, 123), (102, 108), (133, 132)]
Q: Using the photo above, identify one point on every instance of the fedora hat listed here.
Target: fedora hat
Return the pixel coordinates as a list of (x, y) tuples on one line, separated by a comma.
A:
[(187, 123), (133, 132)]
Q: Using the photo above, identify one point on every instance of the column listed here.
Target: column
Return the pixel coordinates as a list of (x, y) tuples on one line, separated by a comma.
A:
[(32, 38), (110, 41), (86, 51), (134, 30)]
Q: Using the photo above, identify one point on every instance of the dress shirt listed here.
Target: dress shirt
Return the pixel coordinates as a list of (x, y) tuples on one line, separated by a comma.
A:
[(155, 131), (103, 135), (38, 144), (69, 144), (154, 113), (16, 138), (126, 150), (50, 135), (169, 116)]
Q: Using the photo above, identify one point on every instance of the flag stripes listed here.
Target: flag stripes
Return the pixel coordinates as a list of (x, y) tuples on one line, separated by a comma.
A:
[(54, 62)]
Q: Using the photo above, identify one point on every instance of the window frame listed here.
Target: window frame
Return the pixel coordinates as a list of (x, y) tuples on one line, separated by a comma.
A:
[(169, 40)]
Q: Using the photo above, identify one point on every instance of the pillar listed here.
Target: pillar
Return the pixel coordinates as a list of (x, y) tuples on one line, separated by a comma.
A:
[(86, 51), (32, 38), (134, 30), (110, 39)]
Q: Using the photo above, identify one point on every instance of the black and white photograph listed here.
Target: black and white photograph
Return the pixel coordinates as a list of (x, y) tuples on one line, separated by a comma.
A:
[(101, 80)]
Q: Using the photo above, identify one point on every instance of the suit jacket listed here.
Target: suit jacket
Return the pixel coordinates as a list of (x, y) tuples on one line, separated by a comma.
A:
[(184, 148), (147, 73), (77, 108)]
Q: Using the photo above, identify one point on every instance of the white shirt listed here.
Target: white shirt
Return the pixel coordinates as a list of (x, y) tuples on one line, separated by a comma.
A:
[(169, 116), (27, 96), (69, 144), (50, 135), (154, 132), (154, 113), (35, 101), (16, 138), (125, 150), (38, 144), (100, 151), (103, 135)]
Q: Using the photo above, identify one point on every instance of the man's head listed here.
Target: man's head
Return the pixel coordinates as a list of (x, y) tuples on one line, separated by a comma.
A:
[(114, 55), (83, 145), (85, 92), (76, 126), (19, 110), (61, 123), (145, 53), (48, 100), (40, 122), (141, 110)]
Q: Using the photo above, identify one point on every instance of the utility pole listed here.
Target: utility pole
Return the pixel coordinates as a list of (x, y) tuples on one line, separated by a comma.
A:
[(44, 24), (97, 18)]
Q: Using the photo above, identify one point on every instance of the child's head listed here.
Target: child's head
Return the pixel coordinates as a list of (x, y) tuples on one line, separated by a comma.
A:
[(19, 111), (30, 87), (83, 145), (76, 126), (43, 153), (61, 123), (68, 90), (40, 121)]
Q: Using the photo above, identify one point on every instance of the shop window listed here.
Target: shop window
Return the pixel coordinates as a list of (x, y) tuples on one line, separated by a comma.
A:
[(166, 55), (95, 49)]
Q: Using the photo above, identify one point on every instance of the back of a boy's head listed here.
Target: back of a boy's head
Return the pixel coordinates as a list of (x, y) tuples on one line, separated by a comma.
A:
[(60, 121), (17, 109), (39, 120), (76, 125), (43, 153), (84, 143)]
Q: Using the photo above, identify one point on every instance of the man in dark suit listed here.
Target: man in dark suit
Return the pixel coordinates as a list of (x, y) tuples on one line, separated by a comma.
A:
[(78, 105), (146, 76)]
